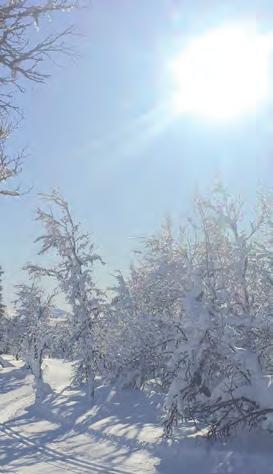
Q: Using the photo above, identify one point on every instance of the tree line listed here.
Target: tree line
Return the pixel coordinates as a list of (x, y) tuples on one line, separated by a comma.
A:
[(193, 315)]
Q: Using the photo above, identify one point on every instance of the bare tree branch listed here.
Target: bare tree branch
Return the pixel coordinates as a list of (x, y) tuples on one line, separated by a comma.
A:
[(24, 48)]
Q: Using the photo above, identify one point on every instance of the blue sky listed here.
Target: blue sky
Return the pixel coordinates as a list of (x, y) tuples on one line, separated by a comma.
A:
[(97, 132)]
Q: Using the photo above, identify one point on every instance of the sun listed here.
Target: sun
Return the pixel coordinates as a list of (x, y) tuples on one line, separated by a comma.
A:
[(223, 74)]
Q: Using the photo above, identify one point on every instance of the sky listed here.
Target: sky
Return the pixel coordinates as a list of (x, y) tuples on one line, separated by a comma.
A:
[(98, 131)]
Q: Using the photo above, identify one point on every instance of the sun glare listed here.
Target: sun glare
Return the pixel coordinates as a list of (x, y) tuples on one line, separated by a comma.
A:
[(222, 74)]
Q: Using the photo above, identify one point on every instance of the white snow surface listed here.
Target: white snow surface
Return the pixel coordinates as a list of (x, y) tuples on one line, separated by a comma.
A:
[(119, 434)]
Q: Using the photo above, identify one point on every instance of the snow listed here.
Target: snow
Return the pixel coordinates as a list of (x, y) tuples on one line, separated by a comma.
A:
[(4, 362), (119, 434), (58, 313)]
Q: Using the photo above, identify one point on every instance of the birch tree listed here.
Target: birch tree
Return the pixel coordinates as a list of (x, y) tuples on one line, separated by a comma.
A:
[(33, 309), (74, 274), (221, 370), (27, 42)]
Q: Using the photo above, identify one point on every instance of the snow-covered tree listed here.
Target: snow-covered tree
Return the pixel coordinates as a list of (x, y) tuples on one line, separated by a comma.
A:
[(33, 310), (221, 372), (146, 311), (2, 306), (74, 273), (3, 323), (129, 337), (195, 315), (60, 332)]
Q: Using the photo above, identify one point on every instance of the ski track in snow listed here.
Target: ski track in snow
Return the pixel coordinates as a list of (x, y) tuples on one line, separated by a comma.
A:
[(19, 419), (85, 465), (119, 434)]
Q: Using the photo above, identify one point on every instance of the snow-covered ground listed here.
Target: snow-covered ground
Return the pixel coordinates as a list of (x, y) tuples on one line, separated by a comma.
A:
[(119, 434)]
